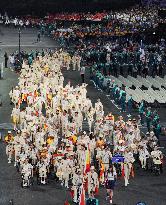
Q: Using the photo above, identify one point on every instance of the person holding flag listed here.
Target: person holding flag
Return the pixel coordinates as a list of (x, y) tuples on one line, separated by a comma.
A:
[(111, 177)]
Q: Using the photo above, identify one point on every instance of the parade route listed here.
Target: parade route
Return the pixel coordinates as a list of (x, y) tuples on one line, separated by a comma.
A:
[(144, 187)]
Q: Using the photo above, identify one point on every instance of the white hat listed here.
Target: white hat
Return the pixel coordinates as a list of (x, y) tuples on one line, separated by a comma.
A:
[(133, 146), (9, 132), (67, 145), (121, 141)]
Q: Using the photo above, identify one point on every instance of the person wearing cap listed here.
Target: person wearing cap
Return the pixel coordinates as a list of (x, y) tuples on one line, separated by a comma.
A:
[(68, 61), (90, 114), (17, 147), (77, 183), (15, 116), (9, 137), (128, 163), (98, 105), (74, 62), (157, 157), (64, 121), (143, 156), (106, 158), (78, 118), (81, 152), (59, 168), (9, 151), (78, 61), (99, 113), (54, 103), (27, 172), (93, 181), (66, 170)]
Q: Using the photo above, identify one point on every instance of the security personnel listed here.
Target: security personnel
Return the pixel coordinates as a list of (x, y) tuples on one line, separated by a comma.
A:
[(130, 105), (141, 112), (148, 119), (123, 102)]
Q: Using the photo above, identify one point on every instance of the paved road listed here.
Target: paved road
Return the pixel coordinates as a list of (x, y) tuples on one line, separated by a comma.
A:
[(9, 38), (144, 186)]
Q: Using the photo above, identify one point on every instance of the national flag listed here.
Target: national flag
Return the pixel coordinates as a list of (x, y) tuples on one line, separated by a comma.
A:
[(82, 197), (96, 190), (87, 161), (72, 193), (19, 101), (102, 173)]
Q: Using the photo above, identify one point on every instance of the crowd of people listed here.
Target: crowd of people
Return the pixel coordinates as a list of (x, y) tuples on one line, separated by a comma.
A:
[(117, 22), (50, 138)]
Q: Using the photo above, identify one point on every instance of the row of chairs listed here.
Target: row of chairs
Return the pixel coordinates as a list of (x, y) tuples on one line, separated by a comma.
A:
[(154, 88)]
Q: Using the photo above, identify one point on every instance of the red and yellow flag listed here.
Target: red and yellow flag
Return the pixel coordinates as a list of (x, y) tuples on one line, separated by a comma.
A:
[(87, 161)]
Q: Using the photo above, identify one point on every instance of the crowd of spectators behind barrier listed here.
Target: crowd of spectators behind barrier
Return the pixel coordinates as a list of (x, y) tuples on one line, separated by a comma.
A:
[(111, 42)]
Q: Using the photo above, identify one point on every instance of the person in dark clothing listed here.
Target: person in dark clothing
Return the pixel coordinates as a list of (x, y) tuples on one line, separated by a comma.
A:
[(38, 37), (6, 59), (82, 74), (130, 69), (160, 69), (115, 68)]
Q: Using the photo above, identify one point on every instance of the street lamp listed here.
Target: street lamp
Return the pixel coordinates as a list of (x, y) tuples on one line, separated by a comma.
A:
[(19, 42)]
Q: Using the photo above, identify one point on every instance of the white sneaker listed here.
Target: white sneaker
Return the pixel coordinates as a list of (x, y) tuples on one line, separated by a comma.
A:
[(110, 201), (106, 198)]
